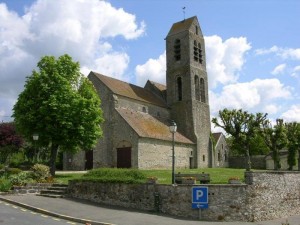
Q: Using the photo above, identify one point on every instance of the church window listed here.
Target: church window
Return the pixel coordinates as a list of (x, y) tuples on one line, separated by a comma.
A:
[(202, 90), (200, 53), (197, 88), (179, 89), (177, 50), (196, 27), (203, 158), (197, 52)]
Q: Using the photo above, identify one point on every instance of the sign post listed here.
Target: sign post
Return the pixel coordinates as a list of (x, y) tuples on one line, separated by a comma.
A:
[(200, 198)]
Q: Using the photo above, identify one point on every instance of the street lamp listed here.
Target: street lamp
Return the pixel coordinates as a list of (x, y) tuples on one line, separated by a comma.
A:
[(173, 128), (35, 137)]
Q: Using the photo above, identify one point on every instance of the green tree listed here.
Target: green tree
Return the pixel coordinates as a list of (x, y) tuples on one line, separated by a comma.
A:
[(243, 127), (293, 143), (61, 105), (275, 139)]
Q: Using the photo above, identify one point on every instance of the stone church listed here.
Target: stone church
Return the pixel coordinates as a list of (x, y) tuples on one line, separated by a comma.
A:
[(136, 129)]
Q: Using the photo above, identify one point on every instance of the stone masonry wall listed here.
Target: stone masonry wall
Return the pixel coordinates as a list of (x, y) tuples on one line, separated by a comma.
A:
[(266, 196)]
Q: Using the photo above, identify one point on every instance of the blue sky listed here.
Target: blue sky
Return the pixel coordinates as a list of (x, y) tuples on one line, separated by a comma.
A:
[(252, 46)]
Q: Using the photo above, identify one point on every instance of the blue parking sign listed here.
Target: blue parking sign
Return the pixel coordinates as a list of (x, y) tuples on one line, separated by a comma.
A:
[(200, 197)]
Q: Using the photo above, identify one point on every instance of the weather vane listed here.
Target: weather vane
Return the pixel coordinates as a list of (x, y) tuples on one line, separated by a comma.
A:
[(183, 10)]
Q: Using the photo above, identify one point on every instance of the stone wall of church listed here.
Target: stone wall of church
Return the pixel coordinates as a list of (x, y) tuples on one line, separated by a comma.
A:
[(102, 154), (143, 107), (157, 154)]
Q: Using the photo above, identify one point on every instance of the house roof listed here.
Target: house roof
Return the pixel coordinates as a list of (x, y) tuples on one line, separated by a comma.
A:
[(130, 90), (145, 125), (181, 26)]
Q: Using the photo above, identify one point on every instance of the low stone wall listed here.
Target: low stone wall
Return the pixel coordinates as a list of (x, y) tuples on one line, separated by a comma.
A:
[(257, 162), (265, 196)]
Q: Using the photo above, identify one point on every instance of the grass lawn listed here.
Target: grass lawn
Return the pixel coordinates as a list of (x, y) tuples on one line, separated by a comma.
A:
[(217, 175)]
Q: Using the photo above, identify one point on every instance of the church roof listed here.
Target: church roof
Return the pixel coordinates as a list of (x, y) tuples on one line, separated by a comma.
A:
[(181, 26), (217, 136), (159, 86), (145, 125), (130, 90)]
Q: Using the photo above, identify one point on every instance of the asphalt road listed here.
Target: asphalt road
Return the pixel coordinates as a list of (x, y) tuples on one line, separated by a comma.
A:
[(14, 215)]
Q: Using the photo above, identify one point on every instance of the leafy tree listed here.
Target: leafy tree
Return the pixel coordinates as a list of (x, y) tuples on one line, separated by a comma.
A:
[(10, 141), (275, 139), (243, 127), (61, 105), (257, 146), (293, 143)]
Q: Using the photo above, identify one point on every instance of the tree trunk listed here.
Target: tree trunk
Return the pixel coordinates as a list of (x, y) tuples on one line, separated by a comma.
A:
[(299, 160), (248, 164), (53, 155), (276, 159)]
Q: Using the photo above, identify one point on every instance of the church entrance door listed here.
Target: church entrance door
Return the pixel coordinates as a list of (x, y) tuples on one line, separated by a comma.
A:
[(89, 160), (124, 157)]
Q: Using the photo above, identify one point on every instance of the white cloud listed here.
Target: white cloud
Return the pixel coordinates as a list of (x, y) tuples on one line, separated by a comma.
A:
[(285, 53), (293, 114), (79, 28), (279, 69), (250, 95), (225, 59), (271, 109), (296, 72), (153, 69), (264, 51)]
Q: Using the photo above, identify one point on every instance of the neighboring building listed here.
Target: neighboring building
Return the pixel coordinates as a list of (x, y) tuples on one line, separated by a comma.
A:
[(220, 151), (136, 128)]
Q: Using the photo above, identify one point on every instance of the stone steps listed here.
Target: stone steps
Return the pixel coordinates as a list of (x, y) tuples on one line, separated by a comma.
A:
[(55, 191)]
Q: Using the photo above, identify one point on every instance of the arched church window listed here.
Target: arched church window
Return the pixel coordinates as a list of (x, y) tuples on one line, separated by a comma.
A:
[(200, 53), (202, 90), (177, 50), (197, 88), (179, 88), (196, 51), (196, 27)]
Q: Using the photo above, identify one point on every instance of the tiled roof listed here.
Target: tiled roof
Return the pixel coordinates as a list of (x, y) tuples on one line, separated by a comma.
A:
[(159, 86), (181, 26), (145, 125), (129, 90)]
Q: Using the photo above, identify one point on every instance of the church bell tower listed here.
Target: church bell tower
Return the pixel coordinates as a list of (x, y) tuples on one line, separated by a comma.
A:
[(187, 86)]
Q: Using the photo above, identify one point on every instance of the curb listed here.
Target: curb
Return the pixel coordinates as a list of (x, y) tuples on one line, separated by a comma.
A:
[(57, 215)]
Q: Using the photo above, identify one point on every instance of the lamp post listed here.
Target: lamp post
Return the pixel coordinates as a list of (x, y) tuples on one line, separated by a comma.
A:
[(35, 137), (173, 128)]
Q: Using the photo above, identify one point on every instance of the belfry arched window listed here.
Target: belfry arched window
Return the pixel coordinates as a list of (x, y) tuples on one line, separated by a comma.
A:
[(197, 88), (177, 50), (202, 90), (197, 52), (179, 88)]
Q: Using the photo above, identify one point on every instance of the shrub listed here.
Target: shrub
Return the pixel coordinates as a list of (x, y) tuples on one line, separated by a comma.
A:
[(113, 175), (12, 171), (40, 172), (21, 179), (5, 185)]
